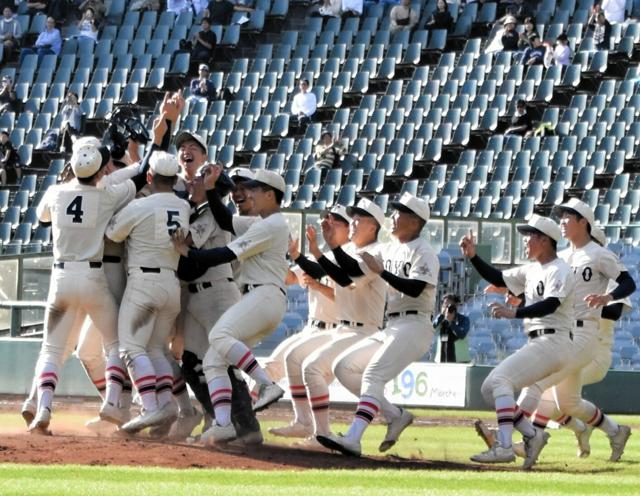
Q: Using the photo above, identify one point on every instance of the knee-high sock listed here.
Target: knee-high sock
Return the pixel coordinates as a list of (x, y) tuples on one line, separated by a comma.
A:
[(572, 423), (522, 423), (241, 356), (164, 379), (47, 382), (97, 377), (179, 390), (301, 405), (220, 392), (368, 408), (604, 423), (115, 376), (143, 376), (505, 410), (125, 397)]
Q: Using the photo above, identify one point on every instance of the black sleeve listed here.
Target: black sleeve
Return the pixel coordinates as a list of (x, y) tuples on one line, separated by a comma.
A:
[(410, 287), (212, 257), (612, 312), (335, 272), (349, 264), (314, 269), (166, 139), (626, 286), (539, 309), (140, 179), (488, 272), (221, 213), (189, 270)]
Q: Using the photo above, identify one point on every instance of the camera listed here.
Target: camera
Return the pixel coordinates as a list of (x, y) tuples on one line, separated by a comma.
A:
[(452, 308), (125, 125)]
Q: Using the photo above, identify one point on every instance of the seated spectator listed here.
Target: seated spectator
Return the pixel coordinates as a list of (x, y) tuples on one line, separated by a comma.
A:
[(329, 8), (520, 9), (9, 159), (535, 54), (601, 31), (204, 43), (221, 11), (614, 10), (10, 30), (510, 36), (441, 17), (49, 42), (304, 105), (452, 327), (562, 51), (352, 8), (521, 121), (178, 6), (328, 152), (202, 86), (403, 17), (87, 25), (525, 37), (8, 99), (144, 5), (98, 7), (71, 121), (36, 7)]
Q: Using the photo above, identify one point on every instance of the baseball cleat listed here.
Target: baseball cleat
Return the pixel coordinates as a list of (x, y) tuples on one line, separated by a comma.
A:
[(218, 434), (488, 435), (295, 429), (519, 449), (310, 443), (267, 394), (28, 410), (252, 438), (185, 424), (395, 428), (113, 414), (168, 413), (584, 447), (618, 442), (533, 446), (336, 442), (99, 427), (495, 454), (161, 431), (41, 421)]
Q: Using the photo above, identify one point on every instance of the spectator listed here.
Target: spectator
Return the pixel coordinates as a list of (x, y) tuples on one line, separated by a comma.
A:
[(8, 98), (98, 7), (145, 5), (520, 9), (521, 121), (510, 37), (328, 152), (49, 42), (178, 6), (36, 7), (441, 17), (221, 11), (10, 30), (601, 31), (202, 86), (562, 51), (329, 8), (403, 17), (352, 8), (304, 105), (452, 327), (87, 25), (9, 159), (525, 37), (71, 121), (535, 54), (614, 10), (204, 43)]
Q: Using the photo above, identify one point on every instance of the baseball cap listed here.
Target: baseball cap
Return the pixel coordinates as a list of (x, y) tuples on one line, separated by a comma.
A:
[(164, 164), (575, 206), (509, 20), (368, 208), (337, 211), (598, 236), (240, 174), (86, 161), (87, 140), (203, 66), (410, 204), (263, 177), (186, 136), (541, 225)]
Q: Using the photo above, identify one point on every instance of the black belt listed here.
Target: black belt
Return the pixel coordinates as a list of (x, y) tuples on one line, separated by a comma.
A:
[(540, 332), (351, 324), (579, 323), (154, 270), (402, 314), (321, 324), (249, 287), (111, 259), (92, 265), (201, 286)]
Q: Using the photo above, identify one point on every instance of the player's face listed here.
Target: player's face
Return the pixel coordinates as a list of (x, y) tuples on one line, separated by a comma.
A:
[(570, 226), (403, 223), (341, 229), (259, 199), (243, 203), (534, 244), (362, 228), (191, 157)]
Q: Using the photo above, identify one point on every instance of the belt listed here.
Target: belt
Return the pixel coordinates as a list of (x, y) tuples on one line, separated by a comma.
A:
[(579, 323), (351, 324), (402, 314), (92, 265), (153, 270), (540, 332), (321, 324), (251, 287), (111, 259), (196, 287)]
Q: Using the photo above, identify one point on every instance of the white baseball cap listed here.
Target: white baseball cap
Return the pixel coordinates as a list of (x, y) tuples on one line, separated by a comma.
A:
[(541, 225), (86, 161), (337, 211), (598, 236), (203, 66), (575, 206), (368, 208), (410, 204), (266, 177), (186, 136), (164, 164), (87, 140), (239, 174), (509, 20)]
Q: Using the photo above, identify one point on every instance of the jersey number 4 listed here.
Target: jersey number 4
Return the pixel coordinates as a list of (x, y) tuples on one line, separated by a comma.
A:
[(172, 224), (75, 210)]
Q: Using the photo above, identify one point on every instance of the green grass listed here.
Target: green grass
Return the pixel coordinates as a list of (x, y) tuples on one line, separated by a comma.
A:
[(558, 472)]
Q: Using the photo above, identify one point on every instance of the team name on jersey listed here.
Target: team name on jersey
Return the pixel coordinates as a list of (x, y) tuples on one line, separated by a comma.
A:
[(397, 267)]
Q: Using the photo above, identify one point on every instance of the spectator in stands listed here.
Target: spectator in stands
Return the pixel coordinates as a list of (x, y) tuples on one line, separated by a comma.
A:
[(614, 10), (49, 42), (98, 7), (179, 6), (510, 36), (56, 9), (36, 7), (204, 43), (352, 8), (10, 30), (8, 98), (525, 37), (304, 105), (202, 86), (329, 8), (521, 122), (328, 152), (441, 17), (535, 54), (601, 31), (71, 121), (9, 159), (144, 5), (562, 51), (403, 17), (520, 9), (87, 25), (452, 327), (221, 11)]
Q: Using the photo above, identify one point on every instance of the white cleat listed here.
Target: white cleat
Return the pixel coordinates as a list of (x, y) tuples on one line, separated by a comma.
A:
[(395, 428), (183, 427), (99, 427), (168, 413), (583, 438), (310, 443), (336, 442), (295, 429), (41, 421), (495, 454), (252, 438), (113, 414), (533, 446), (267, 394), (28, 411), (618, 442), (217, 434)]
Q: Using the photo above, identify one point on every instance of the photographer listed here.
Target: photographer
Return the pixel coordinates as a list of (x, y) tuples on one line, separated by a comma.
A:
[(451, 327), (71, 121), (87, 25), (8, 99)]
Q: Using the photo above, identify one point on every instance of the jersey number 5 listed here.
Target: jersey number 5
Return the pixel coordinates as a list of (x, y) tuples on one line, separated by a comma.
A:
[(172, 224), (75, 209)]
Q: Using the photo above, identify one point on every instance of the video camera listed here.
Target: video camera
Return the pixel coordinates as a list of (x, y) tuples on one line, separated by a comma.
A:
[(125, 125)]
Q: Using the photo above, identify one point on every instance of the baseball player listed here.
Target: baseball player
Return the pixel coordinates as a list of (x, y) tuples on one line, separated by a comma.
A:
[(262, 250), (79, 212), (548, 285), (151, 301), (410, 268)]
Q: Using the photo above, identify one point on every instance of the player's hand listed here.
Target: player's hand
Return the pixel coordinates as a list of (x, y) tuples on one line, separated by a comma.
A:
[(160, 128), (372, 262), (499, 311), (177, 346), (294, 248), (468, 245), (211, 175), (172, 105), (309, 281), (329, 232), (179, 240), (596, 300), (313, 242), (493, 289), (512, 300)]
